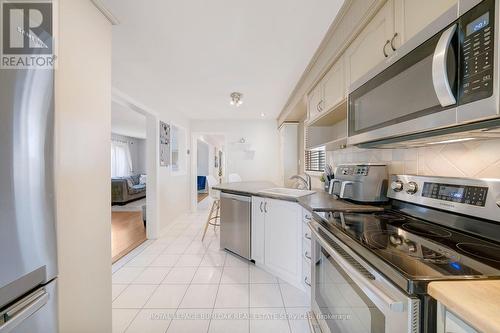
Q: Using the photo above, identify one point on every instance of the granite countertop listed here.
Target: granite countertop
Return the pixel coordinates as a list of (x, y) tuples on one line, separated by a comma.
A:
[(476, 302), (318, 202)]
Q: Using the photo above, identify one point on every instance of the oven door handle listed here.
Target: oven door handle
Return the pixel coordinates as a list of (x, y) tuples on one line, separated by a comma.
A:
[(356, 276), (440, 68)]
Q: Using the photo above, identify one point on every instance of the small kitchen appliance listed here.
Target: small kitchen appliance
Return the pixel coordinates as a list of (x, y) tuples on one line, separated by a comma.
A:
[(370, 271), (361, 182)]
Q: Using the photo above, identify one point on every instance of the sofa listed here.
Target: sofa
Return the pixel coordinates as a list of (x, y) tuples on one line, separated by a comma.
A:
[(126, 189)]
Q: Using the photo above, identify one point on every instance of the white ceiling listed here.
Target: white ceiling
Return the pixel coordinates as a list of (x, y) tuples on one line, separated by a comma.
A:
[(214, 140), (189, 55), (125, 121)]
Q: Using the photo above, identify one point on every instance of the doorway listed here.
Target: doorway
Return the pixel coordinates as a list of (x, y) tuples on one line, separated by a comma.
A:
[(209, 166), (134, 175)]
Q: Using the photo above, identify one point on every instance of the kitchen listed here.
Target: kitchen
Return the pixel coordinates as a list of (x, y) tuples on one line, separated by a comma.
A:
[(396, 231), (358, 189)]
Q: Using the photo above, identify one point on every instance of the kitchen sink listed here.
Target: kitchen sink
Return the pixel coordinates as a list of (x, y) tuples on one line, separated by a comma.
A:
[(287, 192)]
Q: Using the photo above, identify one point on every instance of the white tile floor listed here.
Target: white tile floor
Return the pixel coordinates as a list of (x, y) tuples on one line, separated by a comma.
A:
[(180, 284)]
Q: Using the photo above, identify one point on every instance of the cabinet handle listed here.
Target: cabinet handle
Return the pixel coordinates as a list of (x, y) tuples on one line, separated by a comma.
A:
[(307, 217), (321, 105), (307, 236), (261, 206), (385, 45), (392, 41), (265, 207), (305, 281), (318, 108), (307, 255)]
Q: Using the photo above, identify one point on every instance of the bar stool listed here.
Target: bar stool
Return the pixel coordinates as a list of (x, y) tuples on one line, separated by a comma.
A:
[(214, 213)]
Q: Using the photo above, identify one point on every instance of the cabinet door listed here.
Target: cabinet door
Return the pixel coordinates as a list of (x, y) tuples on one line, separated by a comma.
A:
[(258, 230), (367, 50), (412, 16), (334, 85), (314, 101), (283, 244)]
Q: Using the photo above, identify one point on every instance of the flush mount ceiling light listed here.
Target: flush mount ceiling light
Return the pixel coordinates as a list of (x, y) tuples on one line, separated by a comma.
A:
[(236, 99)]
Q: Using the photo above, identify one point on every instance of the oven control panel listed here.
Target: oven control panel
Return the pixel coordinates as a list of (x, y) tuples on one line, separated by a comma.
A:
[(474, 197), (470, 195)]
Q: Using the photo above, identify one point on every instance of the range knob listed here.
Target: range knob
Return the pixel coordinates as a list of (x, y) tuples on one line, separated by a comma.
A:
[(395, 240), (412, 247), (412, 188), (397, 186), (498, 203)]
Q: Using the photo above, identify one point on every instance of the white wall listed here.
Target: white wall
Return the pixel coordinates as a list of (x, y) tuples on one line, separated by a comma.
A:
[(174, 188), (83, 126), (202, 158), (256, 160)]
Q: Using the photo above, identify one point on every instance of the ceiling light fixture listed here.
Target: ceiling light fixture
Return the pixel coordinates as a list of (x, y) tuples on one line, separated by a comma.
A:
[(236, 99), (262, 114)]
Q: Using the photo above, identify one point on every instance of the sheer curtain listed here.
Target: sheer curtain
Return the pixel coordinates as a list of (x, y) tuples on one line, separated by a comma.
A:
[(121, 161)]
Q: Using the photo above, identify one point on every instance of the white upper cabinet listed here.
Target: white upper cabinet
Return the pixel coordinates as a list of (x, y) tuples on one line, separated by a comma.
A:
[(334, 90), (372, 45), (328, 93), (314, 102), (413, 16)]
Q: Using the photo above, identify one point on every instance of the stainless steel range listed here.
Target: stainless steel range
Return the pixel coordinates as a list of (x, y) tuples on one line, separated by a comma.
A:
[(370, 271)]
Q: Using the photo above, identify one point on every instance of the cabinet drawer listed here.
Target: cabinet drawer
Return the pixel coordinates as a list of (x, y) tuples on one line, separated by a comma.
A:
[(306, 216), (306, 273), (306, 251), (306, 233)]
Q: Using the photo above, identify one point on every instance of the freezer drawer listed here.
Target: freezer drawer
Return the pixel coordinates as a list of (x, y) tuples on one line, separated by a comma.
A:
[(235, 224), (35, 312)]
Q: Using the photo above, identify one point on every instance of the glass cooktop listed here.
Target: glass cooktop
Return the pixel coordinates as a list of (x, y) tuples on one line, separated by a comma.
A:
[(418, 249)]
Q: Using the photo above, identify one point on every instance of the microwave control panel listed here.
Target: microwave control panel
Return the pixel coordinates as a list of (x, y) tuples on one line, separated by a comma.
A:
[(477, 28)]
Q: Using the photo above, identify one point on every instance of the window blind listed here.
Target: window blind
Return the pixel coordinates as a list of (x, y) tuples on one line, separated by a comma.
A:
[(315, 159)]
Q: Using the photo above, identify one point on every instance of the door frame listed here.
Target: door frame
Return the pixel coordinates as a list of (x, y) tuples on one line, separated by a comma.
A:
[(153, 160), (194, 164)]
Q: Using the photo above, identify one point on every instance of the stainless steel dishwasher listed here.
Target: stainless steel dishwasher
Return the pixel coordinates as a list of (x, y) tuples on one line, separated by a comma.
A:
[(235, 223)]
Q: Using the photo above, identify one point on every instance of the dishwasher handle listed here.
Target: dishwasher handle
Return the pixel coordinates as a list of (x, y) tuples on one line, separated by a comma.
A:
[(236, 197)]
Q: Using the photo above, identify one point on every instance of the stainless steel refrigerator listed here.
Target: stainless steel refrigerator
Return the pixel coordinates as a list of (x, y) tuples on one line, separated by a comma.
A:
[(28, 261)]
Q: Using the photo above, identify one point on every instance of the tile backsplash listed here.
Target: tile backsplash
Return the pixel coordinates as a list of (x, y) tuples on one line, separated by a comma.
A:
[(475, 159)]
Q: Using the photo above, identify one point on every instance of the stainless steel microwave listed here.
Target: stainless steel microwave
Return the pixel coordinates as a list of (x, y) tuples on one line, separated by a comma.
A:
[(444, 77)]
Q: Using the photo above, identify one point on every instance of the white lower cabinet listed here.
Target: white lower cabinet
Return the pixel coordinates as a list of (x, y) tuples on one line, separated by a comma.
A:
[(277, 238), (447, 322)]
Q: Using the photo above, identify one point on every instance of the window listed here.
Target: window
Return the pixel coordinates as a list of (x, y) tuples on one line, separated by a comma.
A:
[(315, 159), (121, 161), (178, 149)]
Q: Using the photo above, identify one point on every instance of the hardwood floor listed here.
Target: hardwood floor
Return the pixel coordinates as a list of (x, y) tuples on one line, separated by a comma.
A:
[(127, 232), (202, 196)]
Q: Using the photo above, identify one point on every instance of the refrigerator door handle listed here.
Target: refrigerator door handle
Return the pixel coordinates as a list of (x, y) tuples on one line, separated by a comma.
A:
[(21, 310)]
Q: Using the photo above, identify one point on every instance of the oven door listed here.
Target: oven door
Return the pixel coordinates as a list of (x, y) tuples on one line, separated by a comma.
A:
[(348, 296), (417, 92)]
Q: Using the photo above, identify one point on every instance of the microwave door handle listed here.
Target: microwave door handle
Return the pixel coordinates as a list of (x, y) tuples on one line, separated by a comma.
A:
[(355, 275), (439, 68)]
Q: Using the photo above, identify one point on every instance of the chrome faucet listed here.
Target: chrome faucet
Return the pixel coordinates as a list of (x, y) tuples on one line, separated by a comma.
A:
[(306, 179)]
